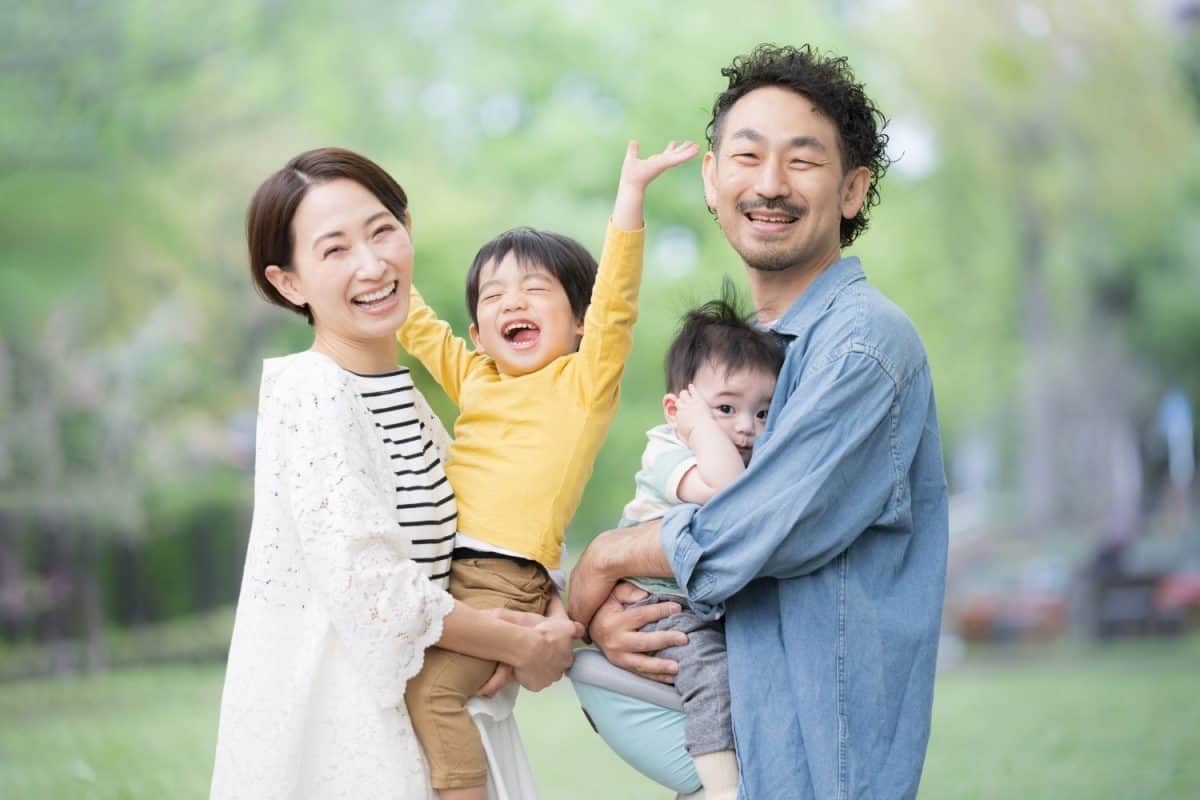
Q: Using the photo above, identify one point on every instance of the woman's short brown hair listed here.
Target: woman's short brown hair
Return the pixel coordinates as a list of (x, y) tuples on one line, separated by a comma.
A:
[(269, 218)]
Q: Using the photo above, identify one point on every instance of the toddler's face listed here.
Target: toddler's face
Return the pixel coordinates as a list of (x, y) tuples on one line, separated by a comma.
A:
[(525, 317), (738, 400)]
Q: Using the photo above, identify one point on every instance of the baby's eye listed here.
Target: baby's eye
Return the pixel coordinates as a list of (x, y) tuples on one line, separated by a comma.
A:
[(725, 408), (487, 298), (761, 415)]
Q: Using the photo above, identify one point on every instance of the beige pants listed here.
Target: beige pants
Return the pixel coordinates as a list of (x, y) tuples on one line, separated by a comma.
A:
[(438, 694)]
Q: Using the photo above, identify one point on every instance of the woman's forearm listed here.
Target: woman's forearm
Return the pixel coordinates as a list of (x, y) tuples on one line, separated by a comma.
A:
[(476, 633)]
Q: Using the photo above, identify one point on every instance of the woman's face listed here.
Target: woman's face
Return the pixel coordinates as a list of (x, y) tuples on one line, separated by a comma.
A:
[(351, 264)]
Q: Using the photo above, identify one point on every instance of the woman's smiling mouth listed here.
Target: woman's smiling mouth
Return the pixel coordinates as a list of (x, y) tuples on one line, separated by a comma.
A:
[(374, 300)]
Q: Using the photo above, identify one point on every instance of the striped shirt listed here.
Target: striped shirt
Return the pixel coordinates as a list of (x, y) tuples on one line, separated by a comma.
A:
[(423, 499)]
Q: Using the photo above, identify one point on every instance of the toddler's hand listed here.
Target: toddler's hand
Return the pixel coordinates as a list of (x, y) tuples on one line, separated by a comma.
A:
[(691, 411), (639, 172)]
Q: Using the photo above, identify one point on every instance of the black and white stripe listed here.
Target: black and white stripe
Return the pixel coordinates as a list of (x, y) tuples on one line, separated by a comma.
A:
[(423, 500)]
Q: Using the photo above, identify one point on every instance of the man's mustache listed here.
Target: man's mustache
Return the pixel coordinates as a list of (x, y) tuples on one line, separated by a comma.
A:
[(772, 204)]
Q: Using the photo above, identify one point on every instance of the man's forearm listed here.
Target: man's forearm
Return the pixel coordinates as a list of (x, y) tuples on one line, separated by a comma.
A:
[(633, 551), (610, 557)]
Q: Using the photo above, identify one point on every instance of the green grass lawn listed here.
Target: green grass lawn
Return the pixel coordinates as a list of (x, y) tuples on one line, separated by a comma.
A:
[(1072, 722)]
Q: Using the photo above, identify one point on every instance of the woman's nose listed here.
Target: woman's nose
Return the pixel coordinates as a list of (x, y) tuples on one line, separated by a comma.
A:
[(371, 266)]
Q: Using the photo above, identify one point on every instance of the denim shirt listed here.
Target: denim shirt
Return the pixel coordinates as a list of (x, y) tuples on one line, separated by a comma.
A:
[(828, 556)]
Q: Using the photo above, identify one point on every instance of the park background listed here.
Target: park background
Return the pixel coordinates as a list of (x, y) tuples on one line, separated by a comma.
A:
[(1041, 226)]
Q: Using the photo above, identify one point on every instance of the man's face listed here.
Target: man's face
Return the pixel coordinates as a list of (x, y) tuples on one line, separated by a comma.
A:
[(776, 182)]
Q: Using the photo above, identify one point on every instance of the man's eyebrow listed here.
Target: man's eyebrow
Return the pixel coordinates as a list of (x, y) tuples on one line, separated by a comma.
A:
[(749, 133), (808, 141), (796, 141)]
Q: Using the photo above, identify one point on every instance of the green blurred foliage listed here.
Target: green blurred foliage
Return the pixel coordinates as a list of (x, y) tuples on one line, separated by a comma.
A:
[(1050, 145)]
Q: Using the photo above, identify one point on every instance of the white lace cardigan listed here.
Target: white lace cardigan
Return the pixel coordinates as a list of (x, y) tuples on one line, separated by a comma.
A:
[(333, 616)]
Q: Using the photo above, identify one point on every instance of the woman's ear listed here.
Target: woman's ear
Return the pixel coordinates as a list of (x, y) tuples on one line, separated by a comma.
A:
[(408, 221), (287, 284)]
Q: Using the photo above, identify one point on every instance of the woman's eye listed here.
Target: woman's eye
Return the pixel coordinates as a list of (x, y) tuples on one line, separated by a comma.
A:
[(382, 229), (337, 248)]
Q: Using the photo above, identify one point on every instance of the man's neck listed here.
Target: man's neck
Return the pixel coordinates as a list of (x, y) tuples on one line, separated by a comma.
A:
[(774, 292)]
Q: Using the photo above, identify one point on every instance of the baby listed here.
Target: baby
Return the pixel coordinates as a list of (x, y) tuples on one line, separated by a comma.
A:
[(721, 373), (536, 397)]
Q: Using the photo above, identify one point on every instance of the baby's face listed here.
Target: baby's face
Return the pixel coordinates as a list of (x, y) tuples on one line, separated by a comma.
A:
[(739, 401)]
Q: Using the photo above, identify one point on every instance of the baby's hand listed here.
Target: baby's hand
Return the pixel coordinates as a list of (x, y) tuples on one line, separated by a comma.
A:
[(691, 411), (639, 172)]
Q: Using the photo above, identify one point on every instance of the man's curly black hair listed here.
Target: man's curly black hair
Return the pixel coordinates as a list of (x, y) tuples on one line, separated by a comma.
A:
[(829, 83)]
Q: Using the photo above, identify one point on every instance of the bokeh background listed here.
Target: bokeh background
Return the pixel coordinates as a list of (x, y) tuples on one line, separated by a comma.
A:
[(1040, 225)]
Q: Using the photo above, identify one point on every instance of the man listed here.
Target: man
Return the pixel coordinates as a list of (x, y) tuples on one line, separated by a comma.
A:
[(827, 556)]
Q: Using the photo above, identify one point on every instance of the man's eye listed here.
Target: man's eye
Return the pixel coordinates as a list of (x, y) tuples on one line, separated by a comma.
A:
[(725, 408), (745, 157)]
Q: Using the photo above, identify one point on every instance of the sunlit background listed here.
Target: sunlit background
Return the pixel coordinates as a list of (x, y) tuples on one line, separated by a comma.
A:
[(1040, 225)]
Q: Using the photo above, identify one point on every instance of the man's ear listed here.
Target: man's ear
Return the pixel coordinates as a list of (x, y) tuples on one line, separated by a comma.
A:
[(286, 284), (708, 173), (474, 331), (670, 406), (854, 191)]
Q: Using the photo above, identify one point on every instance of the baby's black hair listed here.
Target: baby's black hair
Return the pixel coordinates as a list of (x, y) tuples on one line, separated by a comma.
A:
[(719, 333)]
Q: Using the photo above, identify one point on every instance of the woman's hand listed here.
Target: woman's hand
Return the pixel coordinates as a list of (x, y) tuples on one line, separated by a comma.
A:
[(505, 674), (549, 654)]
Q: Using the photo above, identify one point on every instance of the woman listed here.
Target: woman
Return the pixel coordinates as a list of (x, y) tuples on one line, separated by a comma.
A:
[(345, 579)]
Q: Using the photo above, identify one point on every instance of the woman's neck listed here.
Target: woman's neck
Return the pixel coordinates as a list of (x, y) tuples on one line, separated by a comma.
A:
[(366, 357)]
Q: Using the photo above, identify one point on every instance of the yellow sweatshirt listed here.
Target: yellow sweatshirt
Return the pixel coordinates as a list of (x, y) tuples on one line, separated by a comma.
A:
[(524, 446)]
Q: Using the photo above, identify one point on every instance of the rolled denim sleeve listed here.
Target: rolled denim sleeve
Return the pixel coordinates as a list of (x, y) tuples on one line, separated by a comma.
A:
[(824, 472)]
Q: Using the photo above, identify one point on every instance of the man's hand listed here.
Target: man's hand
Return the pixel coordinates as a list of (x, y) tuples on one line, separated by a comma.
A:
[(615, 630), (590, 584), (611, 556)]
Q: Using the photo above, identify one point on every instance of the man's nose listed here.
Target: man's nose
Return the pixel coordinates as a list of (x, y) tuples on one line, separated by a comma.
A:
[(771, 180)]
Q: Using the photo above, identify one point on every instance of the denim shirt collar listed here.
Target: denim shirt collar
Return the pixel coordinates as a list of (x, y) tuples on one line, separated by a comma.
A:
[(817, 296)]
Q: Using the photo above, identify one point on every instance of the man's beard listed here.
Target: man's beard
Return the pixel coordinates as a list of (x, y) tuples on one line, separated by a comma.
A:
[(770, 258)]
